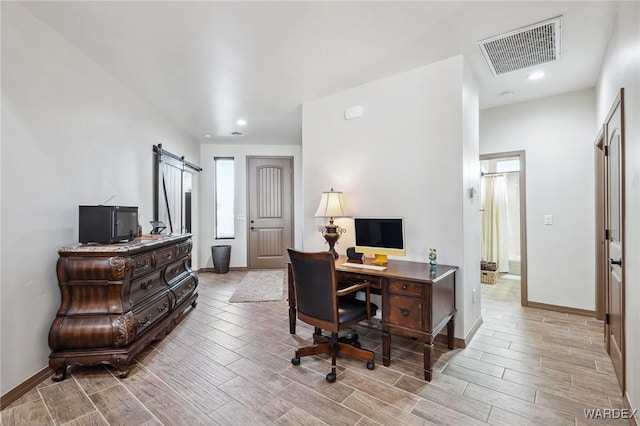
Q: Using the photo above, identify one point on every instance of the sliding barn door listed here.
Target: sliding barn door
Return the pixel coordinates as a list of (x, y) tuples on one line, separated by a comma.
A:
[(173, 185), (171, 198)]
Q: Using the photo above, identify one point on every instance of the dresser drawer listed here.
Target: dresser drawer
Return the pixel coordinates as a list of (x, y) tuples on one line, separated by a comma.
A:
[(184, 248), (184, 288), (147, 315), (405, 311), (144, 287), (405, 287), (143, 263), (175, 271), (165, 255)]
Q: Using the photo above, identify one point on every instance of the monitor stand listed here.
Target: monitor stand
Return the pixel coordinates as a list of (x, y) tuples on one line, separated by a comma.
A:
[(380, 260)]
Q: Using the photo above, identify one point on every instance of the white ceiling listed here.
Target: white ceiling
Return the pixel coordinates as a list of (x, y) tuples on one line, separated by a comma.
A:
[(206, 64)]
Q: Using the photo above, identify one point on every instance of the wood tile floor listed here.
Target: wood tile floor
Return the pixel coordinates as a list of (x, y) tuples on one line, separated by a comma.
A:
[(229, 364)]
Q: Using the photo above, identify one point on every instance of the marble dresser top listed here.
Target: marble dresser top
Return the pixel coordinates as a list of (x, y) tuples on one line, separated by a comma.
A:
[(140, 243)]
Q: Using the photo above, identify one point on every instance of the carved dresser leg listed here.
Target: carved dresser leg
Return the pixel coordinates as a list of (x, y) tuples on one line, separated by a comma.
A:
[(59, 368), (121, 364)]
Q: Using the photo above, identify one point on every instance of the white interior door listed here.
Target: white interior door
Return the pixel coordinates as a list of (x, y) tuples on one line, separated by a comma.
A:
[(614, 159), (270, 189)]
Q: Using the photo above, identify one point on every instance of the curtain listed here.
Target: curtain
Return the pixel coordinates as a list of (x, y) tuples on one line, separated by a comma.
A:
[(495, 221)]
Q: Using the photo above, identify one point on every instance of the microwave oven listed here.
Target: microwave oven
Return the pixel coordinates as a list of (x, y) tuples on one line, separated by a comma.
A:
[(107, 224)]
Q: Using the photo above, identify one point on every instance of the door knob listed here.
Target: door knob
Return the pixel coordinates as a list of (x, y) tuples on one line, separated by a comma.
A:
[(616, 262)]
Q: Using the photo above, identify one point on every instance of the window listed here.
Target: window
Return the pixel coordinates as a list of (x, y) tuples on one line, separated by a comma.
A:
[(224, 197), (508, 165)]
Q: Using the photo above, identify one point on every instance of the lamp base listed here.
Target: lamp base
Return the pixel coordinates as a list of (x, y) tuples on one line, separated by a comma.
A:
[(332, 238), (331, 234)]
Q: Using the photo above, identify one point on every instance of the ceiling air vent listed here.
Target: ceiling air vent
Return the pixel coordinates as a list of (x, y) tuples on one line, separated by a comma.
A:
[(523, 48), (236, 133)]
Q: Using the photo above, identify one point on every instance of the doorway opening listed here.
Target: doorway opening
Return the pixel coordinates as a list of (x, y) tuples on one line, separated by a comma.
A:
[(503, 226)]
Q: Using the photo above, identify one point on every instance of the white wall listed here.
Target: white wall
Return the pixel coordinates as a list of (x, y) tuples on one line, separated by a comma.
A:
[(558, 135), (71, 135), (239, 153), (621, 68), (409, 155), (470, 205)]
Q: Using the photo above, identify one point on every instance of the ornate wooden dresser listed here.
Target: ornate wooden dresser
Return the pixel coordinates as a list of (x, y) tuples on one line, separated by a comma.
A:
[(117, 298)]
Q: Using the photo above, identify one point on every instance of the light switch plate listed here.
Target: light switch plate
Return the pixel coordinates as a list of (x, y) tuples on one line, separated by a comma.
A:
[(548, 219)]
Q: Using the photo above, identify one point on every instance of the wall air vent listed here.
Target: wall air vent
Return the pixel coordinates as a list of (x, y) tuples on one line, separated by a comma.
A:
[(236, 133), (523, 48)]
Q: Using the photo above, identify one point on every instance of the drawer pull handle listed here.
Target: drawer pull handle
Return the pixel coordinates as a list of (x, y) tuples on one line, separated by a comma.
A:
[(404, 286), (144, 264), (405, 312), (147, 285), (166, 256), (145, 322), (163, 307)]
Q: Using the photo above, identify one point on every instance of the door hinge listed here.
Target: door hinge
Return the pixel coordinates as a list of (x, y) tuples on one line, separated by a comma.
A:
[(607, 319), (606, 234), (606, 150)]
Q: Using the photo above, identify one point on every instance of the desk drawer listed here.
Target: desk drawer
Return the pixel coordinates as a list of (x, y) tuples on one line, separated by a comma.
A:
[(348, 278), (405, 311), (405, 287)]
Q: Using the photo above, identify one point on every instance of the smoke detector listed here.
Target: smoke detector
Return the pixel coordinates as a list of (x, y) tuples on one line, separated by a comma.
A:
[(523, 48)]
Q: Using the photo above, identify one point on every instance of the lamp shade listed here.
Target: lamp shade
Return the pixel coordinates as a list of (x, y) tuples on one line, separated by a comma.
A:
[(331, 205)]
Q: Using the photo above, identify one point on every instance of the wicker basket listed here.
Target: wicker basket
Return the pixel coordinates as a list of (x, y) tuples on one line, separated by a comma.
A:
[(488, 266), (488, 277)]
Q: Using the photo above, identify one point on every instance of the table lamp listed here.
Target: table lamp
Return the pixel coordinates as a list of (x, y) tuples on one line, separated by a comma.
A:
[(331, 206)]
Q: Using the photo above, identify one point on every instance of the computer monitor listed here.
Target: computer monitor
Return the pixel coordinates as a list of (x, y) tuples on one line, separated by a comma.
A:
[(380, 236)]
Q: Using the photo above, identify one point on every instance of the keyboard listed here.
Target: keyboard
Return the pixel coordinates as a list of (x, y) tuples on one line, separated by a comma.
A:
[(363, 266)]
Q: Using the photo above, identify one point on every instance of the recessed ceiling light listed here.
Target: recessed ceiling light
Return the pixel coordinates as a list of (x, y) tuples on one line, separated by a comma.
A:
[(207, 135), (241, 122), (535, 75), (507, 93)]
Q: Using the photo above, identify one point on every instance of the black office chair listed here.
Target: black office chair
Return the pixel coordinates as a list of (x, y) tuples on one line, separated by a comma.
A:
[(321, 304)]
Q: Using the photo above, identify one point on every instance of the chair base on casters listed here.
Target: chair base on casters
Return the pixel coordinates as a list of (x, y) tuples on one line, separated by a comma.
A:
[(334, 347), (348, 336)]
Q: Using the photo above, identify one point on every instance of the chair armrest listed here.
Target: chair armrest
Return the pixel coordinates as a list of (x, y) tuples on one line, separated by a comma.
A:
[(352, 289)]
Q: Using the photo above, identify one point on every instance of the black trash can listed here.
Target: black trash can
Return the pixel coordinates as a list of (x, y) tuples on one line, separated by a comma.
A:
[(221, 255)]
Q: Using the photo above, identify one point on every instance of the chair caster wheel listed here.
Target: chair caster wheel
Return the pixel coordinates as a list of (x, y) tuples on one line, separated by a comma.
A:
[(331, 377), (357, 344), (295, 361), (371, 365)]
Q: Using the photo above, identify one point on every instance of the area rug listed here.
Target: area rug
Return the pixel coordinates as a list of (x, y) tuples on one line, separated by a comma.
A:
[(260, 285)]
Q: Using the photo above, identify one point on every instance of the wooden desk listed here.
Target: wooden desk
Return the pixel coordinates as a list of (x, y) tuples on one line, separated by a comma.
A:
[(414, 302)]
